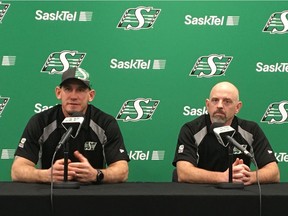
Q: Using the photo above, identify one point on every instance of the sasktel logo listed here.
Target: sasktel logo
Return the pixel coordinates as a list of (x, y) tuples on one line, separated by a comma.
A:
[(277, 67), (212, 20), (3, 10), (212, 65), (138, 109), (277, 23), (139, 18), (281, 156), (7, 154), (58, 62), (8, 60), (156, 64), (148, 155), (190, 111), (276, 113), (63, 16), (3, 103)]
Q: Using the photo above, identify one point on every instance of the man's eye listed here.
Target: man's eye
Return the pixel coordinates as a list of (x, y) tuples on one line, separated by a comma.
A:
[(82, 89), (227, 101)]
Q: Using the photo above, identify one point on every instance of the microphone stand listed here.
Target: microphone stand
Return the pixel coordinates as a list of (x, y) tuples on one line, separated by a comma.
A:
[(230, 184), (66, 184)]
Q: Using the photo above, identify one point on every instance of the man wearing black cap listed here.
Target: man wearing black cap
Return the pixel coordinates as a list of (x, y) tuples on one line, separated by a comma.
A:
[(97, 153)]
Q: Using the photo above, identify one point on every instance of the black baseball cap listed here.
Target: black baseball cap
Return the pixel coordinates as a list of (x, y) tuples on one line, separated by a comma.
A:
[(76, 73)]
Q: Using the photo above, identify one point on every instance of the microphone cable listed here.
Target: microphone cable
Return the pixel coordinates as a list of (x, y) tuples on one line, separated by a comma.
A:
[(51, 180), (258, 181)]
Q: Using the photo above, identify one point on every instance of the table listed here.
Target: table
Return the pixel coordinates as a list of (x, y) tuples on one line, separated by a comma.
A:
[(142, 198)]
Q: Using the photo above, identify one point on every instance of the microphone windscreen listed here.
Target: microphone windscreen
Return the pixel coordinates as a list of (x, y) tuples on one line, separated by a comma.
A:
[(75, 121), (215, 125)]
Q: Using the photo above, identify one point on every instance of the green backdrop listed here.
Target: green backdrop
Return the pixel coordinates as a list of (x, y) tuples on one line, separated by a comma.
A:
[(152, 64)]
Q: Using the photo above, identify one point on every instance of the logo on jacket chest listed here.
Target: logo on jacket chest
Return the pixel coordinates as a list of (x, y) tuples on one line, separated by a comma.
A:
[(90, 146)]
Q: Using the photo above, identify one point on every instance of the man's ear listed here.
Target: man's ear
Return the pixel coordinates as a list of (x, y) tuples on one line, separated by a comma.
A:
[(238, 107), (92, 94), (58, 92)]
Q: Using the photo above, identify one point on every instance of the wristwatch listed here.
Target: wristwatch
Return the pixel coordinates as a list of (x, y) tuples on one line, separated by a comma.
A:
[(99, 176)]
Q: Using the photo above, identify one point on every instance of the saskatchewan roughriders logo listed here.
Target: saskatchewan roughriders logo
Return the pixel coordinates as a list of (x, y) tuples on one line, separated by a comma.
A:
[(3, 103), (138, 109), (277, 23), (212, 65), (58, 62), (3, 10), (276, 113), (138, 18)]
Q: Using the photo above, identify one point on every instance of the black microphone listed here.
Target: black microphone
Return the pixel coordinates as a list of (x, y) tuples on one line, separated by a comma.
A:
[(65, 137), (72, 125), (225, 134), (238, 146)]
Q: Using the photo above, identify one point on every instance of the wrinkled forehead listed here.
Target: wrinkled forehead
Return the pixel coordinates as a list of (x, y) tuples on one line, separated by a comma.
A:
[(224, 92)]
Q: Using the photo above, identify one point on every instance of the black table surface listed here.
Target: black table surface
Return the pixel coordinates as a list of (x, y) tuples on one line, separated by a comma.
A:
[(143, 198)]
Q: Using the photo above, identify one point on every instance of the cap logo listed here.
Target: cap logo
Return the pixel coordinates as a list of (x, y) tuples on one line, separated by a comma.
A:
[(81, 74)]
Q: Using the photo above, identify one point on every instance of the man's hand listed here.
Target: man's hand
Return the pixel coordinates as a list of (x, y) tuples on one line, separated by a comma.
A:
[(241, 172), (58, 171), (83, 170)]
